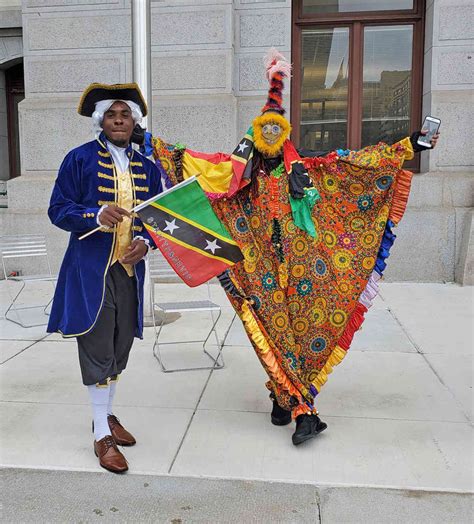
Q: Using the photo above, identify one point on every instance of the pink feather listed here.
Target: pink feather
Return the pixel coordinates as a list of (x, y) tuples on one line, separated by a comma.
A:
[(275, 62)]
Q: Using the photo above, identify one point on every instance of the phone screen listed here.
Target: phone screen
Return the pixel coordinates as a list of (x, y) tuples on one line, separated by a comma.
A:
[(431, 125)]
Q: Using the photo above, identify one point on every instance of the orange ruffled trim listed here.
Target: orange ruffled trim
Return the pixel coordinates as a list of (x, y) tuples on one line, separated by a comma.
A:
[(266, 353), (355, 321), (400, 195), (303, 409)]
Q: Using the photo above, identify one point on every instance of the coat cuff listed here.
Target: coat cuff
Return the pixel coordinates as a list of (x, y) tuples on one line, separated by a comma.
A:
[(89, 216), (147, 242), (97, 217)]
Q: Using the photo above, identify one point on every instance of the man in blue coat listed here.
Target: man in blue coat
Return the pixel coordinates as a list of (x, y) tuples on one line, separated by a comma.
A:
[(99, 296)]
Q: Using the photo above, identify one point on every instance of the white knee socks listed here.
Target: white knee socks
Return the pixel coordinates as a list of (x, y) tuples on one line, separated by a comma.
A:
[(112, 388), (100, 400)]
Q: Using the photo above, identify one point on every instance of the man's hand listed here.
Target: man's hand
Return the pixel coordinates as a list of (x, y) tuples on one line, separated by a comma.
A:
[(135, 252), (112, 215)]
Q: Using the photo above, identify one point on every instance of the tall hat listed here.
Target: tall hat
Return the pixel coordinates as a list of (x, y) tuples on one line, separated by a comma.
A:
[(97, 92), (277, 68), (267, 141)]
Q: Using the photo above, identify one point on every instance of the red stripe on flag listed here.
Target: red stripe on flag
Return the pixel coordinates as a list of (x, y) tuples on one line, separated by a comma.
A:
[(192, 267)]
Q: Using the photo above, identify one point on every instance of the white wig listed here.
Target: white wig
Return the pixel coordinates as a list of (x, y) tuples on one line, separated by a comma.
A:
[(103, 106)]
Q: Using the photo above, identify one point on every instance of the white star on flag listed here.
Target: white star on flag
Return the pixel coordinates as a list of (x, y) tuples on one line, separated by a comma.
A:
[(212, 246), (242, 147), (171, 226)]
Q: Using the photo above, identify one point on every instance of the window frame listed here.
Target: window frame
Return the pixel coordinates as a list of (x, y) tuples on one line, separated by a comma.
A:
[(356, 22)]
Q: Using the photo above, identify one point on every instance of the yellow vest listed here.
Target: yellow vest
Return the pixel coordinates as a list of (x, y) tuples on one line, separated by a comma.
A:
[(124, 228)]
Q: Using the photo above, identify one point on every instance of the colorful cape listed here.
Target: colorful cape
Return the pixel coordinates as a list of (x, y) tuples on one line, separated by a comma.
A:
[(300, 297)]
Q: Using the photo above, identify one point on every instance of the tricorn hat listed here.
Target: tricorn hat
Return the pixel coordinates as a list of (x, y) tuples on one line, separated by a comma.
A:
[(97, 92)]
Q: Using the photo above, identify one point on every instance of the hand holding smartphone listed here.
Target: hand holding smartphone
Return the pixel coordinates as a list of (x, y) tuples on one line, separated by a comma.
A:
[(431, 126)]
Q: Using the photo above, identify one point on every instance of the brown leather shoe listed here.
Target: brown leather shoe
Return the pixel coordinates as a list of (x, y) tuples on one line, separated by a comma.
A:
[(121, 436), (110, 457)]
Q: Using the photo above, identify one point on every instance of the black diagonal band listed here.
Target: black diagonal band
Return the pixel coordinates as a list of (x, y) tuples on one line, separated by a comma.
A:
[(189, 234)]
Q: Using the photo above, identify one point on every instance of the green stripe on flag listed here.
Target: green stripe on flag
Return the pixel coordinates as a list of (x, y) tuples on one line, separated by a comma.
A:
[(191, 204)]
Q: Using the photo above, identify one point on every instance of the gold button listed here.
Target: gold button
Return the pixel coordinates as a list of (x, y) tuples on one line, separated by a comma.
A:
[(83, 215), (92, 215)]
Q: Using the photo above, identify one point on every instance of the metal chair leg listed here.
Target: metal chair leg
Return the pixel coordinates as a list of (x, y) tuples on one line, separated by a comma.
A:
[(219, 346), (157, 349), (12, 307)]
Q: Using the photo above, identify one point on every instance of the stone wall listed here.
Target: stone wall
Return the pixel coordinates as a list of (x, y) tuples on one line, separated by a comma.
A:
[(440, 210), (208, 85)]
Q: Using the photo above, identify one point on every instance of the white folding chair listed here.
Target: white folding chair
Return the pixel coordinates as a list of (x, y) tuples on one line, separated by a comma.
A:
[(161, 271), (25, 246)]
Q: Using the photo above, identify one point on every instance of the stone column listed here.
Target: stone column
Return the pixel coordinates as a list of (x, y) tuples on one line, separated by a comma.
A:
[(449, 94)]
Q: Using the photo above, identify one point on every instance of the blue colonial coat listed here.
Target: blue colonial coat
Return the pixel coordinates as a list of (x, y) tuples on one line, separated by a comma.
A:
[(86, 181)]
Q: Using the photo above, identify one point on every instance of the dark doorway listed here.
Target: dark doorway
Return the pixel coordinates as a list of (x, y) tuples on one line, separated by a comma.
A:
[(15, 93)]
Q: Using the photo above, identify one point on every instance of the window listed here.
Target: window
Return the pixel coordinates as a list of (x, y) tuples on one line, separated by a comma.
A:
[(357, 72)]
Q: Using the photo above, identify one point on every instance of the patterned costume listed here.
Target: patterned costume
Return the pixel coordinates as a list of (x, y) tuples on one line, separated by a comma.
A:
[(302, 298), (315, 233)]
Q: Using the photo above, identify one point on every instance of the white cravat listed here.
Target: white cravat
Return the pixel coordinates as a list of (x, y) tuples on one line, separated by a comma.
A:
[(119, 154)]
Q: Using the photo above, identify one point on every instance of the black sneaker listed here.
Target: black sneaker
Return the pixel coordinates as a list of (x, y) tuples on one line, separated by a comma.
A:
[(280, 416), (307, 426)]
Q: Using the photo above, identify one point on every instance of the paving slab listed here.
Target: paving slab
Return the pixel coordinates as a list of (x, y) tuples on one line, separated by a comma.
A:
[(78, 497), (381, 332), (60, 496), (10, 348), (366, 384), (11, 331), (438, 318), (30, 376), (59, 436), (457, 376), (240, 386), (362, 505), (397, 386), (352, 451)]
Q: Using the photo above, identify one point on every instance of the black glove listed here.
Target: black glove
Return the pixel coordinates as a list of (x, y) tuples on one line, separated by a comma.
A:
[(417, 148), (138, 135)]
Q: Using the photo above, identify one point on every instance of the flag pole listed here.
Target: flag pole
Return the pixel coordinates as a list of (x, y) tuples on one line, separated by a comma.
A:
[(147, 202)]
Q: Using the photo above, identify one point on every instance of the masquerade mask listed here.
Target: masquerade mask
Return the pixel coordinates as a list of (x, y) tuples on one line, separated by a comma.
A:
[(270, 132)]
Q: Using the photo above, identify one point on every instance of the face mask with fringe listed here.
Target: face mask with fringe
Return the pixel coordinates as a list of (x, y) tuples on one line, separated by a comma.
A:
[(270, 132)]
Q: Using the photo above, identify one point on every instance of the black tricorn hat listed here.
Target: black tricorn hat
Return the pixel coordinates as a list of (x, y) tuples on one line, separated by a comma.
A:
[(97, 92)]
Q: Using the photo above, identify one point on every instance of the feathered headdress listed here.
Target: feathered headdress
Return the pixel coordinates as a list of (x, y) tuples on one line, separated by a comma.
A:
[(277, 68)]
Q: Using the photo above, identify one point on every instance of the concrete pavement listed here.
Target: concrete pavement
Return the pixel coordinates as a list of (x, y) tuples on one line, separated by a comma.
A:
[(399, 410)]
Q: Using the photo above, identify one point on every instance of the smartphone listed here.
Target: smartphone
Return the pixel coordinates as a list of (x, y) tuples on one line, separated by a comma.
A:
[(431, 125)]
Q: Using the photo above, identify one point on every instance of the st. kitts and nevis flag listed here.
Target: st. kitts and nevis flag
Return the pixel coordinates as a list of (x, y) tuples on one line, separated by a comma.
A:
[(186, 230)]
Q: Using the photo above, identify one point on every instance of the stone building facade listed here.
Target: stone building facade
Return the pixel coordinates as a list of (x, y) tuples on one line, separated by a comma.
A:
[(208, 85)]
